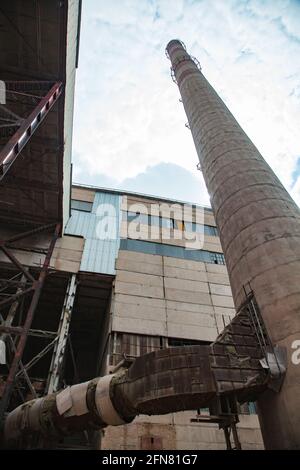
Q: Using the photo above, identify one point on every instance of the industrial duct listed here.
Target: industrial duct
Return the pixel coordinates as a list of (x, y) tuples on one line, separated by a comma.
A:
[(164, 381)]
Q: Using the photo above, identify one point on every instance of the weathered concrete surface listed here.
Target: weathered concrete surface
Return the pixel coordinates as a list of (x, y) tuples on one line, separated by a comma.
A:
[(176, 431), (170, 297), (83, 194), (259, 226), (66, 257)]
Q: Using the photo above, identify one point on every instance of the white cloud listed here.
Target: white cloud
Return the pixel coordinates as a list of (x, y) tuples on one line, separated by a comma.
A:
[(128, 116)]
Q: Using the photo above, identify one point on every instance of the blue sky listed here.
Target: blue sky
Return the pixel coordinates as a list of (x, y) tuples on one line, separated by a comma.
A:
[(129, 126)]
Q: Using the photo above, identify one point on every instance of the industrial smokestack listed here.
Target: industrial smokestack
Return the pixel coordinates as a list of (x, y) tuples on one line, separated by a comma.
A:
[(259, 226)]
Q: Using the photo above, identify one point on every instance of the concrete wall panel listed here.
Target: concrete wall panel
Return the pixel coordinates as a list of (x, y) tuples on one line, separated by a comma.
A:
[(140, 278), (219, 289), (139, 257), (216, 268), (184, 264), (138, 289), (188, 296), (184, 284), (138, 267), (137, 300), (189, 307), (222, 301), (196, 319), (127, 310), (217, 278), (181, 330), (83, 194), (142, 326)]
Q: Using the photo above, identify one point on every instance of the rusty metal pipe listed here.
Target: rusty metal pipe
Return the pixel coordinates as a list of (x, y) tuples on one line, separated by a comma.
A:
[(80, 407), (164, 381)]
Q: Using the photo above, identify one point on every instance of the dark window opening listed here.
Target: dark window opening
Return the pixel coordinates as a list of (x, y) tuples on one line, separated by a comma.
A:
[(173, 251), (177, 342), (169, 222), (81, 205)]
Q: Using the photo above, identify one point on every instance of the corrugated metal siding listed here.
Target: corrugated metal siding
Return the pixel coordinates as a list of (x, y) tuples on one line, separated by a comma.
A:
[(132, 345), (101, 230)]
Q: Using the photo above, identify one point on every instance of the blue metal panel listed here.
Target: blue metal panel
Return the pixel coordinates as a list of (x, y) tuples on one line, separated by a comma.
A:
[(101, 230), (172, 251)]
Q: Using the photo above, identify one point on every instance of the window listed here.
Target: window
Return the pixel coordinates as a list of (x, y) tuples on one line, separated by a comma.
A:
[(130, 216), (210, 230), (168, 223), (247, 408), (144, 219), (81, 205), (176, 342), (180, 225), (132, 345), (154, 220), (217, 258), (136, 217), (199, 228), (153, 248)]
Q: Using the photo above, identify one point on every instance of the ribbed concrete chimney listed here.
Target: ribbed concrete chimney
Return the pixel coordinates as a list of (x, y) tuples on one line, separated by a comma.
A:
[(259, 227)]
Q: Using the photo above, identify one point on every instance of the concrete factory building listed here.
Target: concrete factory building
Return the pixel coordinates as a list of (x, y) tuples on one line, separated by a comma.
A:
[(121, 325), (165, 293), (128, 278)]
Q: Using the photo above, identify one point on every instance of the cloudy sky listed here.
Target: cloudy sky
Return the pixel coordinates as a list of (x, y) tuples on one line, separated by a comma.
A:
[(129, 127)]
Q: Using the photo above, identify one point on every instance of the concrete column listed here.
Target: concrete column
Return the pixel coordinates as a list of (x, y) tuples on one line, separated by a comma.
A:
[(259, 227)]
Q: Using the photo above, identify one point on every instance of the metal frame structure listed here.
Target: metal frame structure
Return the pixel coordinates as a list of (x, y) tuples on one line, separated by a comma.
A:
[(20, 129), (223, 411), (27, 104), (183, 59), (31, 285)]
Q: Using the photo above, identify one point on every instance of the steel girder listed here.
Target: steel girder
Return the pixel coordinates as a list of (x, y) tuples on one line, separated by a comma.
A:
[(16, 129), (33, 286)]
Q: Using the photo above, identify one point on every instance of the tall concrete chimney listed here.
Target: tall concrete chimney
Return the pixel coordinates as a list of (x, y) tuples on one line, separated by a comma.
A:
[(259, 227)]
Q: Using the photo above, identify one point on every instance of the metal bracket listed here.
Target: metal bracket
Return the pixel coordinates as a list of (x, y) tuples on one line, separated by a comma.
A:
[(274, 358), (276, 362)]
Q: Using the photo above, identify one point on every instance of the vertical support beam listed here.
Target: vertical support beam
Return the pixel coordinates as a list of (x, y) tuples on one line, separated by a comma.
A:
[(62, 334), (23, 370), (227, 438), (38, 285), (8, 322), (236, 437)]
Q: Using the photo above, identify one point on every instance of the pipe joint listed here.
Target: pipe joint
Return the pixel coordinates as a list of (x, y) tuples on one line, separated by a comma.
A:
[(104, 404)]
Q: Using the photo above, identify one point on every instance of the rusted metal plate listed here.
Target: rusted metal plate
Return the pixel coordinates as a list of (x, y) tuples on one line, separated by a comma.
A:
[(189, 377)]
